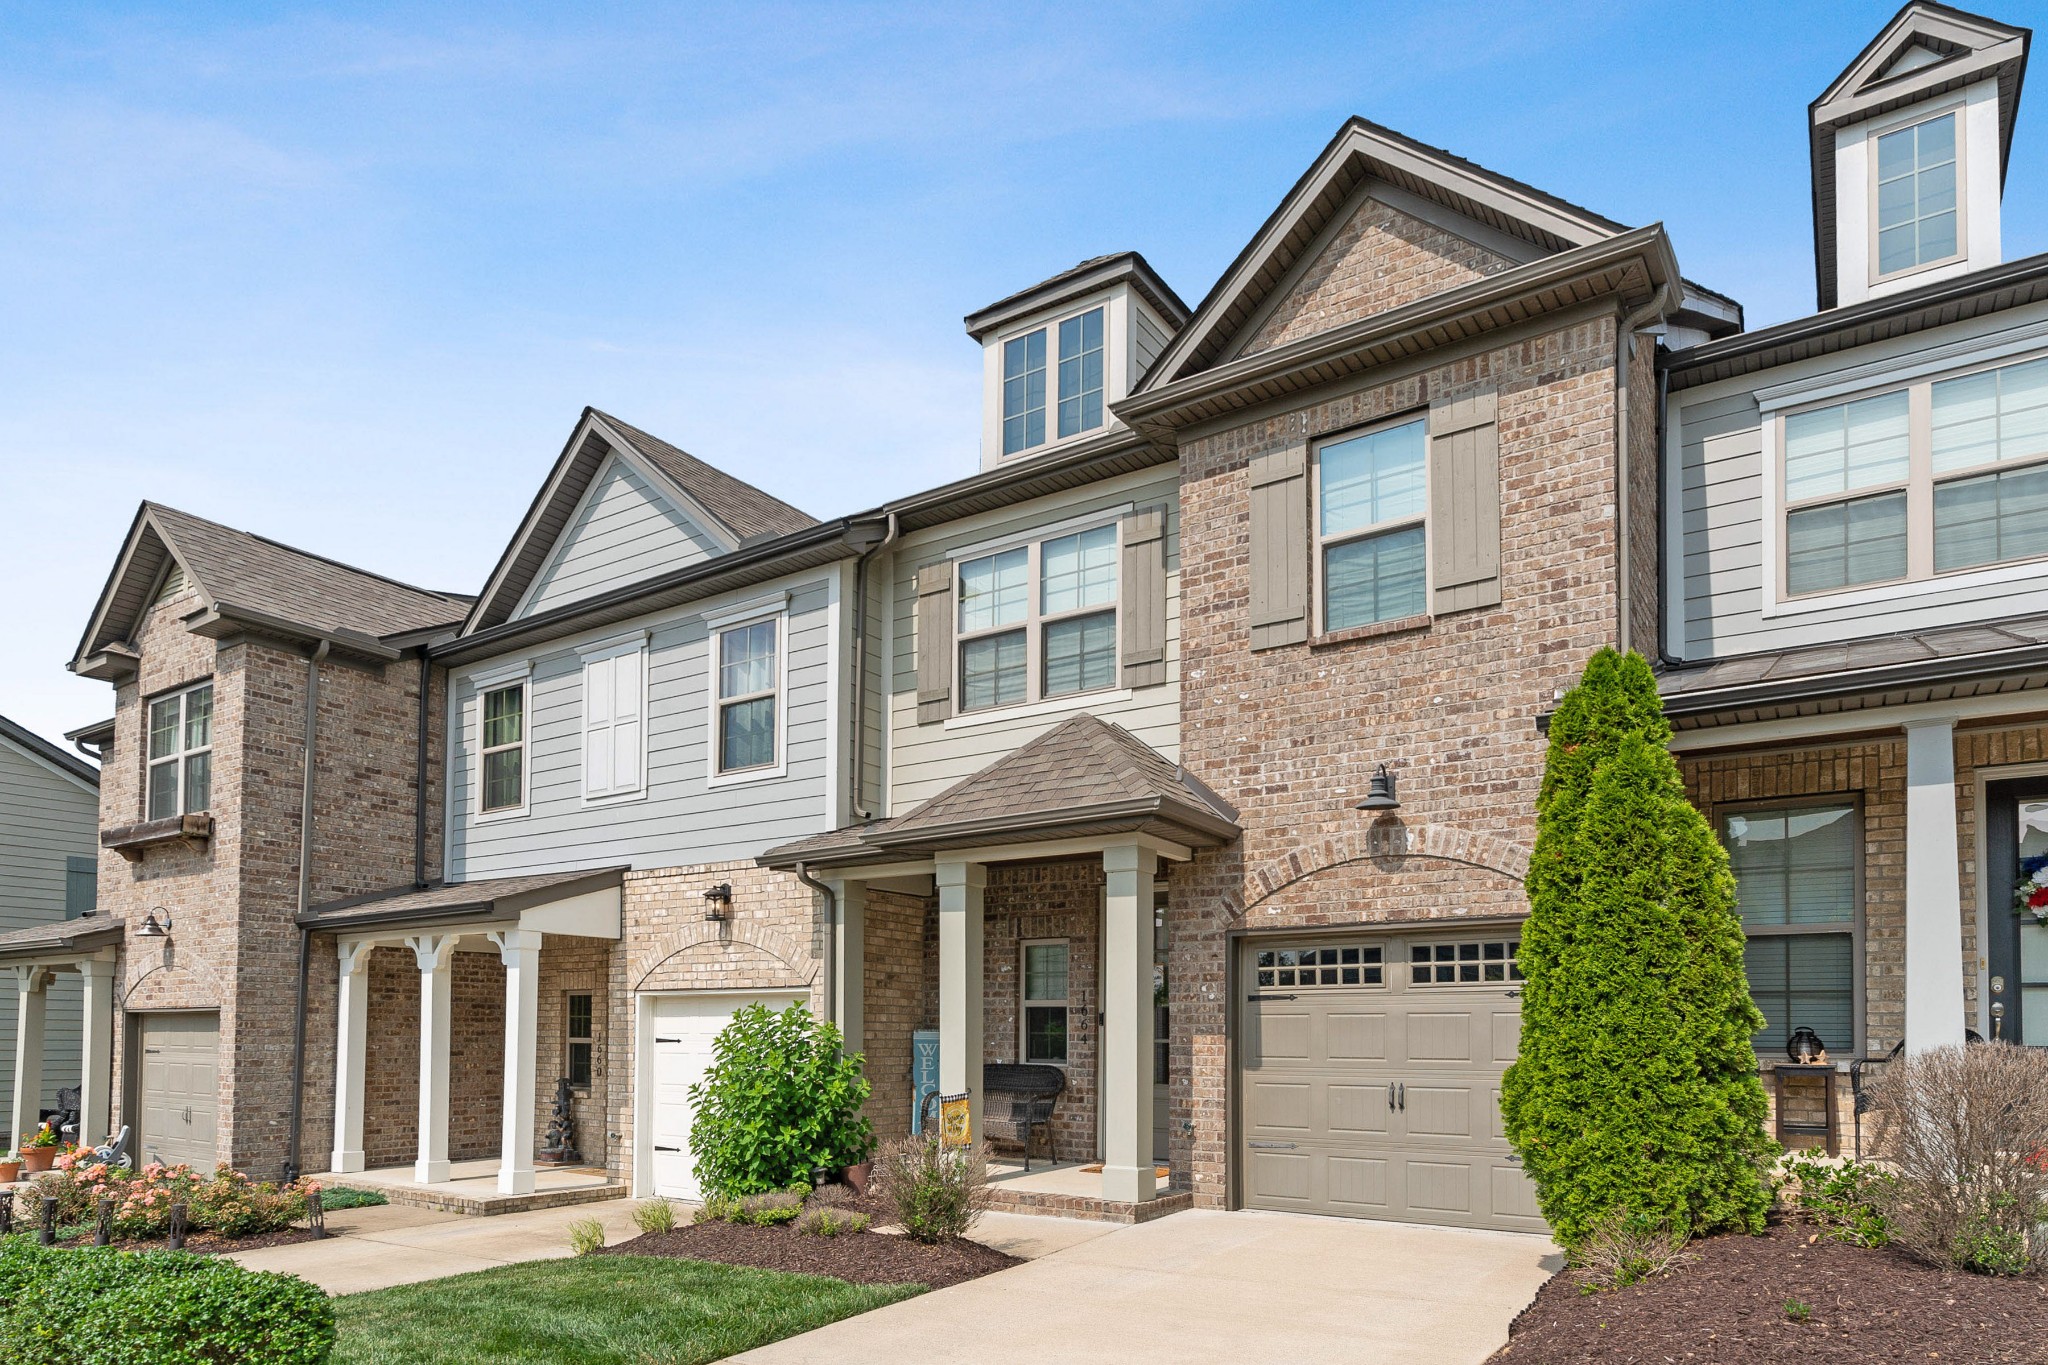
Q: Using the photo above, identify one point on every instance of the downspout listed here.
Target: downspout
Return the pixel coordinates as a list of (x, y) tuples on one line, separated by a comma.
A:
[(860, 665), (313, 660), (419, 792), (1664, 654), (831, 939), (1624, 345)]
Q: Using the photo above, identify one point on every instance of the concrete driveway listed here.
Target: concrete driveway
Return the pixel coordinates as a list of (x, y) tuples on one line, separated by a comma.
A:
[(1218, 1286)]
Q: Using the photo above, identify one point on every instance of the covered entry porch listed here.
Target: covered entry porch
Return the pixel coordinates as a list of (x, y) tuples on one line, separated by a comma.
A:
[(453, 1033), (1041, 881), (36, 957)]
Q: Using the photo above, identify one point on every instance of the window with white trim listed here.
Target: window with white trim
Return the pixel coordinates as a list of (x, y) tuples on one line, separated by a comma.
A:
[(1038, 621), (501, 748), (580, 1030), (1078, 372), (180, 743), (749, 686), (1796, 886), (1917, 221), (1043, 1019), (1371, 510), (614, 729), (1936, 478)]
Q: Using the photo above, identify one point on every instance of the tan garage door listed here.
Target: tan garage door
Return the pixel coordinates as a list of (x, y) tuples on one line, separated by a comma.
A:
[(1369, 1081), (180, 1089)]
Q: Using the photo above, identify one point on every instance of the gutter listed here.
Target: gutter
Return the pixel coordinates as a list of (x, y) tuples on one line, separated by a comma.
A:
[(313, 660), (1624, 346), (860, 664)]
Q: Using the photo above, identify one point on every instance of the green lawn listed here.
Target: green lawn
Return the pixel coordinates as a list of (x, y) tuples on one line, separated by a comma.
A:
[(594, 1310)]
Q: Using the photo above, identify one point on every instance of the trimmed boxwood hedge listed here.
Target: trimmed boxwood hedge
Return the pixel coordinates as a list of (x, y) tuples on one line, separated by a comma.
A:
[(100, 1306)]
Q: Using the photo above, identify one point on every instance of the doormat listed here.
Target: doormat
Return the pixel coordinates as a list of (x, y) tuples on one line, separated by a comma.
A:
[(1158, 1172)]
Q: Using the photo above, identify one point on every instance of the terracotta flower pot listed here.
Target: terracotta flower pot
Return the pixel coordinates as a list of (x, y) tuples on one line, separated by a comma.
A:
[(36, 1160), (10, 1171), (858, 1176)]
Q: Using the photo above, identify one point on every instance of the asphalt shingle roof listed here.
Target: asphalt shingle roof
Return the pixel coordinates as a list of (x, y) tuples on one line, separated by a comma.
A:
[(743, 509)]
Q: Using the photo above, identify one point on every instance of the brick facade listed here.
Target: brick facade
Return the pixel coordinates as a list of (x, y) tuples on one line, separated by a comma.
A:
[(1053, 900)]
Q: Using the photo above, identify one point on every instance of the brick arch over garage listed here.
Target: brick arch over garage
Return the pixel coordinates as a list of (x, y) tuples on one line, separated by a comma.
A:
[(768, 957), (1381, 842)]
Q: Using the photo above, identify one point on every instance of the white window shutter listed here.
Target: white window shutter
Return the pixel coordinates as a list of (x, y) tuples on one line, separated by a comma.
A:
[(597, 726), (626, 720)]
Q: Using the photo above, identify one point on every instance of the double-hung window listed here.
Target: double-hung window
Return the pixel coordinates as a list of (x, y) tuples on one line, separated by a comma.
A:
[(1935, 478), (614, 729), (1078, 367), (181, 752), (1916, 188), (580, 1029), (1039, 621), (1796, 878), (1371, 502), (749, 686), (1043, 1018), (502, 749)]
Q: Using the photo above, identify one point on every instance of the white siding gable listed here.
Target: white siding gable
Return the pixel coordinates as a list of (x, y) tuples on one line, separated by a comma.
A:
[(623, 531)]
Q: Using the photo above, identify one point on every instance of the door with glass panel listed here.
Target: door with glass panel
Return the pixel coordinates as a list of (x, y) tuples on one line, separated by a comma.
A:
[(2016, 834)]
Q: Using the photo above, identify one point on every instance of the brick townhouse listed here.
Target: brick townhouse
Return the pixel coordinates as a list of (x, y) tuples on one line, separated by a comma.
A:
[(1184, 751)]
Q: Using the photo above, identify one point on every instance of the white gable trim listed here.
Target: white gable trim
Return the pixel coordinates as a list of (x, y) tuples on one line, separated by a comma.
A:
[(695, 512)]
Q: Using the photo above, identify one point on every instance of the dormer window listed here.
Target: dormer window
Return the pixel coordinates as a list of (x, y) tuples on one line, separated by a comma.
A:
[(1080, 382), (1917, 200)]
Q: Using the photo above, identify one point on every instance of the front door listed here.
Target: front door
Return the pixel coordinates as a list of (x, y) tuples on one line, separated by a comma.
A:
[(2016, 831)]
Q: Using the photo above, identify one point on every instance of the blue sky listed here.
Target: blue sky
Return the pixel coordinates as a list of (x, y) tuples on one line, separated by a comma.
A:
[(346, 276)]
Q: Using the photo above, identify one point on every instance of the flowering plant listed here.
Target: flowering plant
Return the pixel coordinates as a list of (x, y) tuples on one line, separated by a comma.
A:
[(2030, 897), (45, 1136)]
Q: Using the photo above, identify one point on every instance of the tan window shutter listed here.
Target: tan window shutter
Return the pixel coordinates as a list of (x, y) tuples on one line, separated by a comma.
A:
[(934, 642), (1144, 597), (1464, 504), (1279, 547)]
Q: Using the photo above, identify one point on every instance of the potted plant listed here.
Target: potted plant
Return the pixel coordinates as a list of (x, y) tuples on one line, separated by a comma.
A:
[(10, 1168), (39, 1149)]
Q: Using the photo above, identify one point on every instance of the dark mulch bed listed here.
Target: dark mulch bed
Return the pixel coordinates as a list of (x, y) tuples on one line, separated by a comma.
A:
[(1727, 1305), (857, 1257)]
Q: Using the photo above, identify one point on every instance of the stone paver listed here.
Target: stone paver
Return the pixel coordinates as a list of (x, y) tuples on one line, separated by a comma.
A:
[(1207, 1286)]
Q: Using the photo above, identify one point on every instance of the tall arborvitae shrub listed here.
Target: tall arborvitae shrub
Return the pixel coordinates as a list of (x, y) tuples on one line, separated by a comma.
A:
[(1636, 1090)]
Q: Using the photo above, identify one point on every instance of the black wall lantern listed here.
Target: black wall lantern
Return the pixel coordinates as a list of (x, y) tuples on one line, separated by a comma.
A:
[(152, 927), (1381, 794), (718, 901)]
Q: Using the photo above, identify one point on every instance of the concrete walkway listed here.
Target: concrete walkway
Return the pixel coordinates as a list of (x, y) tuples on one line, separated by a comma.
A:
[(1203, 1286)]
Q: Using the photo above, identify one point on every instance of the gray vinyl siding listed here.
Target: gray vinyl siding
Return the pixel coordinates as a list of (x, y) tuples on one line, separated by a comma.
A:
[(682, 819), (1148, 339), (45, 817), (926, 759), (622, 532), (1718, 434)]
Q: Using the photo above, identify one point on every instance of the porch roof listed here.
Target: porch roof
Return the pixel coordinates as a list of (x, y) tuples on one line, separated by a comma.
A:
[(1083, 777), (81, 936), (490, 898)]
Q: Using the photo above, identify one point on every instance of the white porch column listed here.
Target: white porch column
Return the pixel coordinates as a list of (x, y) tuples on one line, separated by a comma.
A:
[(351, 1041), (1127, 1170), (519, 950), (32, 983), (96, 1052), (960, 997), (849, 964), (435, 954), (1934, 913)]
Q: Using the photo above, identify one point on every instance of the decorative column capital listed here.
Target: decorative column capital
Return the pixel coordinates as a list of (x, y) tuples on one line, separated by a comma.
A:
[(432, 951), (513, 942), (950, 873), (32, 979), (353, 956)]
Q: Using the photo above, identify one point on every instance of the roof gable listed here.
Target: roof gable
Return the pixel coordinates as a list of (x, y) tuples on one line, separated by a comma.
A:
[(253, 579), (1513, 219), (1927, 50), (48, 755), (726, 509), (625, 529)]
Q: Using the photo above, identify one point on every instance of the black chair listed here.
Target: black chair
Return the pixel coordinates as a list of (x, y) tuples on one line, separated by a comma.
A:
[(1017, 1100), (65, 1116)]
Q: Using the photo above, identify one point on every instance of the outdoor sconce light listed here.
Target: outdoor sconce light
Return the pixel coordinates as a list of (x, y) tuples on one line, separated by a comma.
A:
[(152, 927), (718, 901), (1380, 796)]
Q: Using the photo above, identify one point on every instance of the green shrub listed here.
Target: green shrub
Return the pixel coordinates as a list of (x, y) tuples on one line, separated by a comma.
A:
[(334, 1198), (655, 1215), (586, 1235), (1840, 1197), (830, 1222), (766, 1210), (1636, 1087), (778, 1102), (937, 1192), (717, 1208), (99, 1306), (233, 1205)]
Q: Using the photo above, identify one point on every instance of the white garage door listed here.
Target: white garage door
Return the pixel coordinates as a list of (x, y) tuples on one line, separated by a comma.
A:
[(180, 1089), (684, 1026), (1369, 1078)]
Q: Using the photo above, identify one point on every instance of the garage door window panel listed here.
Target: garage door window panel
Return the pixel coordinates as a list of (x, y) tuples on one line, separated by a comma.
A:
[(1467, 962), (1340, 966)]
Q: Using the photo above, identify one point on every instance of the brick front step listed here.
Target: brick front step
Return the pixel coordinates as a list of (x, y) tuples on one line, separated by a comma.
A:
[(1082, 1206), (448, 1201)]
